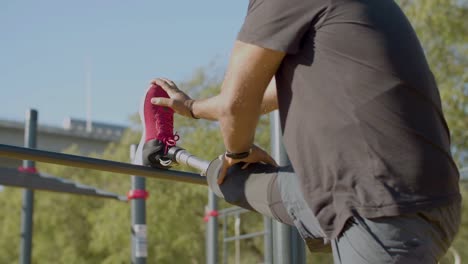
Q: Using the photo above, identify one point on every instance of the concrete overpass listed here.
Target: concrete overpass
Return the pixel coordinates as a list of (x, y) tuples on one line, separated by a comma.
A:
[(55, 138)]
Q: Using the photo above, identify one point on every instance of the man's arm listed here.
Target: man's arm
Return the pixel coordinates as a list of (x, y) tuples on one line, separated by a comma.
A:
[(270, 98), (182, 103), (239, 104), (269, 104)]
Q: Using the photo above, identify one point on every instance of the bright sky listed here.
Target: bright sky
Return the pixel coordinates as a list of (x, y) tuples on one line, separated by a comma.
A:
[(44, 47)]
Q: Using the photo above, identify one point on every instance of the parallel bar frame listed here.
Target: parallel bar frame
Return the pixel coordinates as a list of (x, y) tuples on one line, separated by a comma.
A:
[(245, 236), (21, 153), (44, 182)]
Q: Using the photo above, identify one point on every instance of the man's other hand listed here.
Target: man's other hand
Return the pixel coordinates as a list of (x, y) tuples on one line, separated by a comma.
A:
[(256, 155)]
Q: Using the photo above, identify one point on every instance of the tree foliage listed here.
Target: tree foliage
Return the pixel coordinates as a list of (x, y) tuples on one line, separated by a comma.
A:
[(442, 27)]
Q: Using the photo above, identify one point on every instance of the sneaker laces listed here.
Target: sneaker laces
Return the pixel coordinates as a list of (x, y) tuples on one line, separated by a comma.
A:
[(168, 142), (164, 124)]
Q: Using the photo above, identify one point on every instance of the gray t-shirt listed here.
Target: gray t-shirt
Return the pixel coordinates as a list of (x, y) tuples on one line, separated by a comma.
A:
[(360, 109)]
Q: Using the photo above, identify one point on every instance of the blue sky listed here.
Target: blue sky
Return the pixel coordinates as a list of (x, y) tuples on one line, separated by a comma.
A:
[(45, 46)]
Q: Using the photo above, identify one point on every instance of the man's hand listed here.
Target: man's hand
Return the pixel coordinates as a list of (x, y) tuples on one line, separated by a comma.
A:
[(180, 102), (256, 155)]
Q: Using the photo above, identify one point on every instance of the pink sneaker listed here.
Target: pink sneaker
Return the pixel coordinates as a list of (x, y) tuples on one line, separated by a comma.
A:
[(158, 135)]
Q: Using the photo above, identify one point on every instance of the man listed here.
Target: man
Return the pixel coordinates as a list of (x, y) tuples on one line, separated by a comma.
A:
[(362, 124)]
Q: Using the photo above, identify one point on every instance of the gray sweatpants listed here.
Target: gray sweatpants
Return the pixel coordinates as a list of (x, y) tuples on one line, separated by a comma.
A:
[(421, 237)]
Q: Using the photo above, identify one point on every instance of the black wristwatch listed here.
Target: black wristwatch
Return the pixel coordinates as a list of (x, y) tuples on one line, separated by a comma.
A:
[(241, 155)]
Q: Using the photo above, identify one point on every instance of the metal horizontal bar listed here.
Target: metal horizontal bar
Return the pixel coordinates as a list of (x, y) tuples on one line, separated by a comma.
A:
[(232, 210), (246, 236), (40, 181), (21, 153)]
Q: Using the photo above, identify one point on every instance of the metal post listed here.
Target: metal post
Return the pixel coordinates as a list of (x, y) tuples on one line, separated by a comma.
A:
[(225, 250), (267, 241), (30, 141), (297, 248), (212, 229), (288, 245), (237, 222), (138, 195)]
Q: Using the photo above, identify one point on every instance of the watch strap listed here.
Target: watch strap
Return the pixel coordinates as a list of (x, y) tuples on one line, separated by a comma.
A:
[(241, 155)]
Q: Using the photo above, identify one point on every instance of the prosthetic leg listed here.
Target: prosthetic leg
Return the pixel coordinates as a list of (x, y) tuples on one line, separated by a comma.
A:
[(255, 188)]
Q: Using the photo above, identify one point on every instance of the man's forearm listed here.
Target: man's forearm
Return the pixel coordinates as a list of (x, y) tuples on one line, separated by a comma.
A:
[(239, 105), (238, 118), (211, 108), (270, 98)]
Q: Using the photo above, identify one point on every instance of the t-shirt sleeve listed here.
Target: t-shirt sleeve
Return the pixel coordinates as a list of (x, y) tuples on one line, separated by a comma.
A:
[(279, 24)]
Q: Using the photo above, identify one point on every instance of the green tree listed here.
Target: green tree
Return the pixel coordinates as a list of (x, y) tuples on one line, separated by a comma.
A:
[(442, 28)]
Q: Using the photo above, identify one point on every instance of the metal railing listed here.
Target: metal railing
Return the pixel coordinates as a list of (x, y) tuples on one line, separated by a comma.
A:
[(21, 153), (236, 212)]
